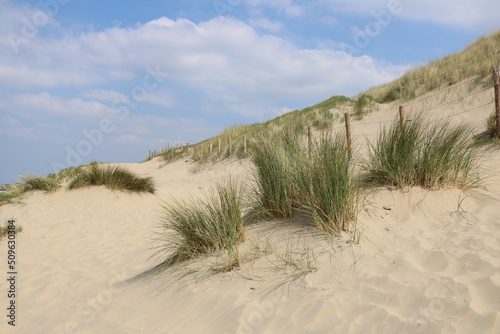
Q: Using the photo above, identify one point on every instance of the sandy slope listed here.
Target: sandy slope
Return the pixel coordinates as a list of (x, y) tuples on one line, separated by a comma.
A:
[(427, 262)]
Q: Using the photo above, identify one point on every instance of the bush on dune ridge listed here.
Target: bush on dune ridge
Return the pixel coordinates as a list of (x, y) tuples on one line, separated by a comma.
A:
[(48, 184), (114, 178)]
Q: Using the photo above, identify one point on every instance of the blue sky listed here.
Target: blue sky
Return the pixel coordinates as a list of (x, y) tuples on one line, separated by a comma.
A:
[(110, 80)]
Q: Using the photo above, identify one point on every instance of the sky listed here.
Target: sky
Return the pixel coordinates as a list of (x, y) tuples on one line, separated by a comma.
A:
[(109, 80)]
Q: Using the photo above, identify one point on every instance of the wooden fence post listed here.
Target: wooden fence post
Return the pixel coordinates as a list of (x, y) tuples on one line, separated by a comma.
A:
[(245, 144), (309, 140), (230, 146), (496, 80), (402, 117), (219, 147), (211, 148), (348, 133)]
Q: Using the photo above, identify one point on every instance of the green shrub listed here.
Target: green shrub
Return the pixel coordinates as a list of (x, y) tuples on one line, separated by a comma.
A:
[(204, 226), (424, 154), (115, 178), (48, 184)]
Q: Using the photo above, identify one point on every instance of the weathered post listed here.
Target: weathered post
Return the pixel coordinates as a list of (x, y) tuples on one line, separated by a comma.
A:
[(245, 144), (219, 147), (496, 80), (348, 133), (401, 117)]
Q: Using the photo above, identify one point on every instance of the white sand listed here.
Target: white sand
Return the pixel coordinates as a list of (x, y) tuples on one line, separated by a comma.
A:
[(429, 262)]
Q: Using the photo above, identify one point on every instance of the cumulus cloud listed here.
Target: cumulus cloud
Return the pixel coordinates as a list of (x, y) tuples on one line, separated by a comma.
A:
[(224, 59)]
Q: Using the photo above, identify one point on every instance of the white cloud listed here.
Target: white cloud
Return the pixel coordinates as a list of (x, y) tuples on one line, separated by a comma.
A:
[(71, 108), (468, 14), (272, 26), (223, 58)]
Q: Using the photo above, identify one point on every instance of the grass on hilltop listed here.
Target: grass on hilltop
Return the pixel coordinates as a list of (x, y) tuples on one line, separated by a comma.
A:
[(48, 184), (29, 183), (11, 196), (199, 227), (424, 154), (475, 61), (114, 178)]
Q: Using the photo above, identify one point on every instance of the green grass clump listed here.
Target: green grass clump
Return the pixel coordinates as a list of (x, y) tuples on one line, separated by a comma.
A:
[(29, 183), (205, 226), (48, 184), (362, 105), (276, 174), (491, 125), (318, 183), (115, 178), (423, 154), (330, 198), (8, 197)]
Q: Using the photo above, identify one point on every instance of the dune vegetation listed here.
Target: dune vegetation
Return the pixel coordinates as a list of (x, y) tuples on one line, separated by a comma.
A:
[(424, 154), (48, 184), (321, 181), (317, 182), (114, 178), (199, 227), (476, 61)]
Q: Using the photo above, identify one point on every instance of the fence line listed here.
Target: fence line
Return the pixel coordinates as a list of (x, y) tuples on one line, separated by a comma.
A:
[(199, 149)]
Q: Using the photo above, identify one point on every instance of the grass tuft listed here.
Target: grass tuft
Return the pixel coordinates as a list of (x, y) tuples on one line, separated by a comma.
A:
[(288, 179), (115, 178), (423, 154), (330, 198), (491, 125), (48, 184), (204, 226)]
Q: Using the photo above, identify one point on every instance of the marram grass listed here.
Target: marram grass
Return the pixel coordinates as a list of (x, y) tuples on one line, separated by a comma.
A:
[(430, 155), (48, 184), (114, 178), (198, 227), (319, 183)]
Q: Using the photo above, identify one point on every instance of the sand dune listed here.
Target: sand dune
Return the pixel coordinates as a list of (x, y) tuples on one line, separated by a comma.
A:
[(426, 262)]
